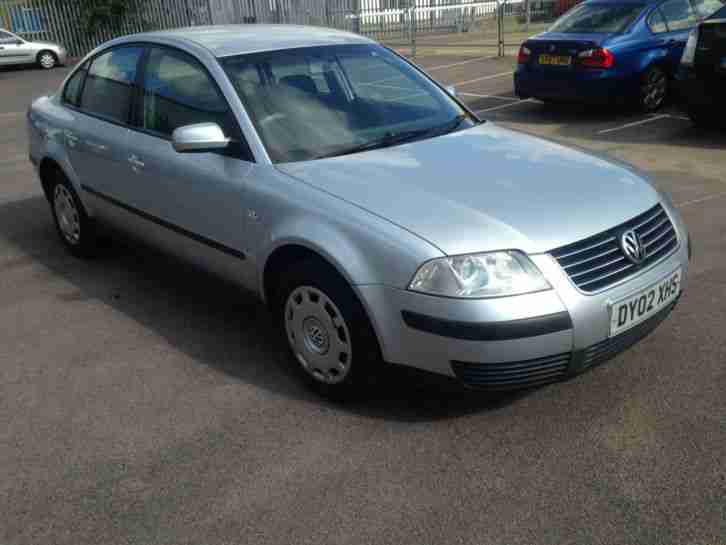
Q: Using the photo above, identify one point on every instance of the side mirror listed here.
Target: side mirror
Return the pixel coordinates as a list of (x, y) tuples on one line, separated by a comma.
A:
[(451, 90), (18, 42), (199, 137)]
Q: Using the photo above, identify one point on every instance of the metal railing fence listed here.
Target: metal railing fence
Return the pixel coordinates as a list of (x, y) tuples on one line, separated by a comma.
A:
[(408, 25)]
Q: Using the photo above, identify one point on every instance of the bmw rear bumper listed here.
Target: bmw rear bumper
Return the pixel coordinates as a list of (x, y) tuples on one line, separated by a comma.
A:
[(515, 342), (585, 86)]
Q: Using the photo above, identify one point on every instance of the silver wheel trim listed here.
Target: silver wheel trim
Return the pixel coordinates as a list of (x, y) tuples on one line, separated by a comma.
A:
[(318, 335), (654, 89), (67, 214), (47, 60)]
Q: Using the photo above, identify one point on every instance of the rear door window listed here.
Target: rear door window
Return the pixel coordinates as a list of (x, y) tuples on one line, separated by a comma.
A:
[(110, 84), (679, 14)]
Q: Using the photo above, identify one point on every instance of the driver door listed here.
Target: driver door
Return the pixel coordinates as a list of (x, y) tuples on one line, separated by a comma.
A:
[(193, 204)]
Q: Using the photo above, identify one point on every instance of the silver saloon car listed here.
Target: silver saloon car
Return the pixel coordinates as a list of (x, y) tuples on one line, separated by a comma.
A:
[(380, 219), (17, 50)]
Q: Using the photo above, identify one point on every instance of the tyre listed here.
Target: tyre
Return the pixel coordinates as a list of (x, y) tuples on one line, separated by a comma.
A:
[(330, 340), (653, 89), (47, 60), (76, 230)]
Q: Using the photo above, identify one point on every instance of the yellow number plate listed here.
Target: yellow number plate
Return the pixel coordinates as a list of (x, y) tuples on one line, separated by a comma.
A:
[(555, 60)]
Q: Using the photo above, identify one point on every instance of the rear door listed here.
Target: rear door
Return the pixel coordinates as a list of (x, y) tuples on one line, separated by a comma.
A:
[(101, 101), (680, 18)]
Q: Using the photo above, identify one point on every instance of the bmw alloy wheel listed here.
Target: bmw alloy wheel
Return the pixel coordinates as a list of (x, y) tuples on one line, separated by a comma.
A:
[(654, 89)]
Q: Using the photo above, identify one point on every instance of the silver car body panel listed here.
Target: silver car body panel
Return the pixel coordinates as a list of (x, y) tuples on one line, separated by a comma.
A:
[(375, 216), (27, 51)]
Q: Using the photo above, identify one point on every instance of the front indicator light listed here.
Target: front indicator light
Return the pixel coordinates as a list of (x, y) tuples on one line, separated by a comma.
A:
[(492, 274)]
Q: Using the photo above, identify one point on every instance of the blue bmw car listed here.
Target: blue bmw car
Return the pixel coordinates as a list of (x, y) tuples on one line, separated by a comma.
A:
[(610, 51)]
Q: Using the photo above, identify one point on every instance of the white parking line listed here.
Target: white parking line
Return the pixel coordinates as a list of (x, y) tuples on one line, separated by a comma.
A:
[(457, 63), (635, 123), (702, 199), (512, 99), (504, 106), (492, 76)]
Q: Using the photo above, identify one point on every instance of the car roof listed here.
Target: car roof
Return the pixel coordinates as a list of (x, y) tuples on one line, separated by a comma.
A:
[(226, 40)]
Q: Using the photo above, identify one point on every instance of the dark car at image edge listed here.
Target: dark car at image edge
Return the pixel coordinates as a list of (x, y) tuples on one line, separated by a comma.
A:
[(702, 74)]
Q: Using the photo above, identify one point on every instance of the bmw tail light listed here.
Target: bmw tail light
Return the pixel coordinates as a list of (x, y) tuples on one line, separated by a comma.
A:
[(524, 55), (596, 58)]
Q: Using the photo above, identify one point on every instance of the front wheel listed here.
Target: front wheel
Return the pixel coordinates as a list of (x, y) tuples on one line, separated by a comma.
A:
[(653, 89), (330, 339), (47, 60)]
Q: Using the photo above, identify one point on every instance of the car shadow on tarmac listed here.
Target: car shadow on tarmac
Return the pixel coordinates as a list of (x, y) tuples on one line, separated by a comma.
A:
[(195, 313), (668, 126)]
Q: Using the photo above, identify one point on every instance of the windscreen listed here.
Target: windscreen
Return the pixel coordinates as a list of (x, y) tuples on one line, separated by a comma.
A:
[(317, 102), (596, 18)]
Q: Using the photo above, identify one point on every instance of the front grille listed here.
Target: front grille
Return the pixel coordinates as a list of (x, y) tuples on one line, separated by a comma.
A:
[(512, 375), (609, 348), (598, 261)]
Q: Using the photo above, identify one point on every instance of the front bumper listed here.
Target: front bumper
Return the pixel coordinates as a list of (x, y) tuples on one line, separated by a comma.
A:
[(514, 342)]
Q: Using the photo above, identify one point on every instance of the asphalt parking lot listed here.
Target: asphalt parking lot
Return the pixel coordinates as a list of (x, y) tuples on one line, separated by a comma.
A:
[(142, 401)]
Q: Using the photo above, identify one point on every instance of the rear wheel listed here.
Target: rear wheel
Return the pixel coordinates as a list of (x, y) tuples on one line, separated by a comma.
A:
[(653, 89), (76, 230), (47, 60), (330, 339)]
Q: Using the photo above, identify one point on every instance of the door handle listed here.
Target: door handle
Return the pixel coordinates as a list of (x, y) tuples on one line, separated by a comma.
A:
[(136, 163), (96, 147), (71, 139)]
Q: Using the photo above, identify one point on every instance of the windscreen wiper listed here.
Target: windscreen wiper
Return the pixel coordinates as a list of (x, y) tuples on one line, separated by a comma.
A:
[(392, 138)]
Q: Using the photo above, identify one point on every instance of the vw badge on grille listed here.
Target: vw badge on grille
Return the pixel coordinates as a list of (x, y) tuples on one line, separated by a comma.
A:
[(632, 247), (552, 49)]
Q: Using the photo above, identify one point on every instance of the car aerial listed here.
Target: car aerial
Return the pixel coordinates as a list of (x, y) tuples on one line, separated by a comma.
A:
[(380, 220), (610, 51), (702, 75), (16, 50)]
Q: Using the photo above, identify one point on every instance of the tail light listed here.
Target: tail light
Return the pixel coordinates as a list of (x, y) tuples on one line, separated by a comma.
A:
[(524, 55), (596, 58), (689, 53)]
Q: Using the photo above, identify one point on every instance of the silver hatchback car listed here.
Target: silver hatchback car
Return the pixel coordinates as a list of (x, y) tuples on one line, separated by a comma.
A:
[(17, 50), (379, 218)]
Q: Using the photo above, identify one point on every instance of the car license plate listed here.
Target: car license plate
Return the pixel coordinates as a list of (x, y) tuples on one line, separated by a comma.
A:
[(644, 304), (555, 60)]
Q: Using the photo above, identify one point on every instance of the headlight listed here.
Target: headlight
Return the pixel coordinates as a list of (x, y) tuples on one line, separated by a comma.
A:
[(493, 274)]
